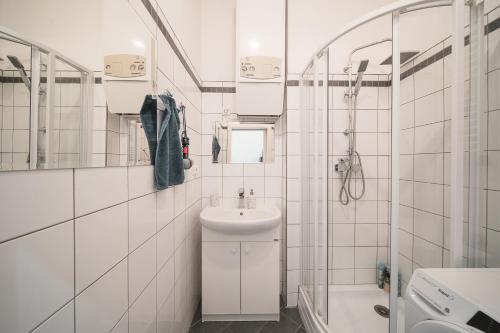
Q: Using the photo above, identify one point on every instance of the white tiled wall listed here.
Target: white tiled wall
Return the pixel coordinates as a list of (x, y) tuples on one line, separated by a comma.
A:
[(225, 179), (425, 164), (291, 202), (99, 250), (422, 213), (118, 255), (358, 238), (358, 232), (491, 232)]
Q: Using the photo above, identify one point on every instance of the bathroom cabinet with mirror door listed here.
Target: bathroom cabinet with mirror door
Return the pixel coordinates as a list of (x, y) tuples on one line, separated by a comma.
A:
[(243, 142)]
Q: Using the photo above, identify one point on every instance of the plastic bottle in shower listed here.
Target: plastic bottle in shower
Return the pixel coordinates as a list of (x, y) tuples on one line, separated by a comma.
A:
[(380, 275)]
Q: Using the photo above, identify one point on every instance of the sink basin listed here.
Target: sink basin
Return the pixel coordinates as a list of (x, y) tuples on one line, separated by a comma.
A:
[(240, 221)]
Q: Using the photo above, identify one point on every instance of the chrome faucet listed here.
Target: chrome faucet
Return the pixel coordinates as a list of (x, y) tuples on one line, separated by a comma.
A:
[(241, 197)]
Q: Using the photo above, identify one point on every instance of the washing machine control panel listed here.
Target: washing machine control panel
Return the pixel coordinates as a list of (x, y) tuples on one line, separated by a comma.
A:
[(451, 306), (436, 295)]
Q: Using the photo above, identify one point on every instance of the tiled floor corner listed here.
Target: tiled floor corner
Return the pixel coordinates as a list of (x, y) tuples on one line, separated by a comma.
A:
[(290, 322)]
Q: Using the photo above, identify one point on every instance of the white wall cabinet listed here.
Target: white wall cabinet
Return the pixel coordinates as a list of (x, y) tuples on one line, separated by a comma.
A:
[(240, 280)]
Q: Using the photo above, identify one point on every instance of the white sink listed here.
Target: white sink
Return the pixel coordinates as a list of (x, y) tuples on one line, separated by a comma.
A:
[(240, 221)]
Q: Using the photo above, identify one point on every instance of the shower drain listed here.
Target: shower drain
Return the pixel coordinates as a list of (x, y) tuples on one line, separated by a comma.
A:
[(381, 310)]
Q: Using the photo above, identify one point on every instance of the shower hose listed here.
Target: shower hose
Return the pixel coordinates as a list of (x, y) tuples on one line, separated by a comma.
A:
[(346, 181)]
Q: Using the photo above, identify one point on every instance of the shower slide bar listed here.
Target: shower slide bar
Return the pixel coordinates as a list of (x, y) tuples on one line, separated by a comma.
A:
[(87, 80), (457, 128)]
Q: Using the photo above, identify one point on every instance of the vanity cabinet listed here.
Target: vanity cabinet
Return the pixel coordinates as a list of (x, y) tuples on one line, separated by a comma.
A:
[(221, 277), (259, 277), (240, 280)]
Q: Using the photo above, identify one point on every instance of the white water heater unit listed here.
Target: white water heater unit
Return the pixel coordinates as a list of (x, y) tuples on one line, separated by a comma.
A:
[(260, 52), (129, 58)]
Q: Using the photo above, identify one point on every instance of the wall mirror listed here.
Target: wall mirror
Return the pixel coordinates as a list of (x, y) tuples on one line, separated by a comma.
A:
[(236, 142), (60, 104)]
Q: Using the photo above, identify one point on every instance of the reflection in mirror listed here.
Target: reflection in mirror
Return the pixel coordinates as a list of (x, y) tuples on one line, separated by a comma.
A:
[(243, 142), (15, 85), (45, 101), (247, 146), (138, 148), (58, 108)]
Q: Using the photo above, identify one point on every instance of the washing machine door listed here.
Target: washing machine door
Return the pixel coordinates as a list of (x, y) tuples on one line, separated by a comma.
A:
[(435, 326)]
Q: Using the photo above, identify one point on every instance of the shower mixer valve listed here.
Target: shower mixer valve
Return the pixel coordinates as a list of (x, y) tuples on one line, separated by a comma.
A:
[(342, 165)]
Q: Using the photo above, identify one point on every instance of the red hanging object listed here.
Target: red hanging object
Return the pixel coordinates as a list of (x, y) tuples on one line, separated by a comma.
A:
[(188, 163)]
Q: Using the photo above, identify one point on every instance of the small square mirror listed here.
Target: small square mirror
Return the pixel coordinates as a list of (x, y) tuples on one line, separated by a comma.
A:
[(243, 143), (247, 146)]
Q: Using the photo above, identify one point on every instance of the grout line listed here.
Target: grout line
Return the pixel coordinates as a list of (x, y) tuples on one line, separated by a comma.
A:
[(74, 254), (76, 295), (413, 175), (35, 231), (53, 314), (443, 164), (128, 251), (170, 40)]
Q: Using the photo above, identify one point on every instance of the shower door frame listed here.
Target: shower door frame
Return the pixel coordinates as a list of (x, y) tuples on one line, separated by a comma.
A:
[(321, 187), (310, 312)]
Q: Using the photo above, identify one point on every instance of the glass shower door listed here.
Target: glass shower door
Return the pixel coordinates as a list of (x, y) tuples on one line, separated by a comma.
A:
[(482, 143), (307, 226), (314, 182), (321, 184)]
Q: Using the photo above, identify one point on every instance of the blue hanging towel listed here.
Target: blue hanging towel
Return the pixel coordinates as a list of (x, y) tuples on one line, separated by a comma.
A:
[(169, 169)]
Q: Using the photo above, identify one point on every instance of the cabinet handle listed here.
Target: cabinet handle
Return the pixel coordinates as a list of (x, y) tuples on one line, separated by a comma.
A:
[(233, 251), (247, 250)]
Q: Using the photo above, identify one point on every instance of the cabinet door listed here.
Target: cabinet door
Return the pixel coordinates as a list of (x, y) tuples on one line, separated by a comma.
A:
[(220, 278), (260, 277)]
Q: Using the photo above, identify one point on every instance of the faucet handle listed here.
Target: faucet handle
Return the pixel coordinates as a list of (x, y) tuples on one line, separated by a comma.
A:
[(241, 192)]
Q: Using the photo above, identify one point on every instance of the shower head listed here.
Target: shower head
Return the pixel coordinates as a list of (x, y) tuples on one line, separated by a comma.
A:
[(20, 68), (15, 62), (361, 70), (362, 66)]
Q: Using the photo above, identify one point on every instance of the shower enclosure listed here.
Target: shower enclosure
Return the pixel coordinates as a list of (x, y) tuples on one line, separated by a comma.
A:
[(400, 161), (46, 106)]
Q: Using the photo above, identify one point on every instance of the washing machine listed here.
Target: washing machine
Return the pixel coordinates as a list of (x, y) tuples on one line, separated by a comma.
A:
[(451, 300)]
